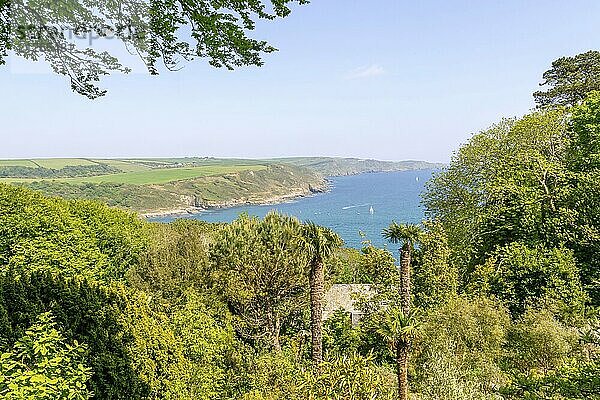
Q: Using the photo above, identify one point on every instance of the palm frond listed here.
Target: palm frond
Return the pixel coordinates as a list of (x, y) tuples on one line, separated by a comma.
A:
[(319, 241), (396, 324), (402, 233)]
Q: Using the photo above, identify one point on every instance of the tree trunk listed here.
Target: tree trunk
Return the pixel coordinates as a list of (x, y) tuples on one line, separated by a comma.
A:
[(402, 348), (276, 332), (403, 343), (317, 278), (405, 259)]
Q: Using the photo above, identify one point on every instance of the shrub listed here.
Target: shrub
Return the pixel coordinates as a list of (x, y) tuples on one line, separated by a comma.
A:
[(460, 347), (42, 365)]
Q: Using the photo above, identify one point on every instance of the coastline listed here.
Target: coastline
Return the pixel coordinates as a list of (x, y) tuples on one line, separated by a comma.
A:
[(277, 199)]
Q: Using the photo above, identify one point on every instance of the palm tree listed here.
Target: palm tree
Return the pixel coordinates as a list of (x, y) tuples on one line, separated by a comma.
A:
[(407, 235), (398, 329), (319, 243)]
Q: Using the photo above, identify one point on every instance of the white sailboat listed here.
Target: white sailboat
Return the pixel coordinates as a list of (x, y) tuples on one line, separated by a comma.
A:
[(371, 211)]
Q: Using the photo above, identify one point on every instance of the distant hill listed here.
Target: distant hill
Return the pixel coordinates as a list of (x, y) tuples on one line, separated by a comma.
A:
[(164, 185), (177, 185), (334, 166)]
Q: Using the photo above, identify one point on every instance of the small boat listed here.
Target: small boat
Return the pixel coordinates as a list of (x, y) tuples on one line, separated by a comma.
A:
[(417, 178), (371, 211)]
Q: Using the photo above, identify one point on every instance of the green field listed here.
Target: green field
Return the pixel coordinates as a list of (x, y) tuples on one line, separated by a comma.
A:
[(17, 163), (146, 176), (123, 165), (142, 171), (58, 163), (165, 175), (155, 171), (50, 163), (155, 184)]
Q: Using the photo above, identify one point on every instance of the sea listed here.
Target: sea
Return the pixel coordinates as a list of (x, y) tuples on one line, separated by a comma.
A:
[(357, 207)]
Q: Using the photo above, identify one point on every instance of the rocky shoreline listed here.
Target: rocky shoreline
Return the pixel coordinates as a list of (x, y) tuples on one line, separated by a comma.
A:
[(278, 199)]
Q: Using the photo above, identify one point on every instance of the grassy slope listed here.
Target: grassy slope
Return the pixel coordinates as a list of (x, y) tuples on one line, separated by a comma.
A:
[(17, 163), (165, 175), (123, 165), (147, 176), (54, 163), (58, 163), (266, 184)]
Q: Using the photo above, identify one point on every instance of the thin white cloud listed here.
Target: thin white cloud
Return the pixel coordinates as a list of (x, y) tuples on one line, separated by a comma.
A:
[(365, 72)]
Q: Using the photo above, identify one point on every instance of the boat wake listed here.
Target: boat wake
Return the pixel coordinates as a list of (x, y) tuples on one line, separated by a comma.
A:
[(358, 205)]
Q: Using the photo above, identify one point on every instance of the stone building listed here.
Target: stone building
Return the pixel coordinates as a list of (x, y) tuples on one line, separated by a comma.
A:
[(343, 297)]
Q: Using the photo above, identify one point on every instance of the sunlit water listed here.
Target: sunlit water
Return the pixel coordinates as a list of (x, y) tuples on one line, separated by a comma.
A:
[(346, 208)]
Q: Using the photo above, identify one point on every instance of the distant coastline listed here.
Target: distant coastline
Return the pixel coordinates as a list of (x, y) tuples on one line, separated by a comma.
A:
[(345, 207), (162, 187), (278, 199)]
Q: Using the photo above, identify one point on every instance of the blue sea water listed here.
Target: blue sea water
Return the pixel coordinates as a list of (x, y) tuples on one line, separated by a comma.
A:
[(394, 196)]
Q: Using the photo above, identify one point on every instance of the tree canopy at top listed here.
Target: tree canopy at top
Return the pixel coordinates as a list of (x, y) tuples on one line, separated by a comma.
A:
[(569, 80), (158, 31)]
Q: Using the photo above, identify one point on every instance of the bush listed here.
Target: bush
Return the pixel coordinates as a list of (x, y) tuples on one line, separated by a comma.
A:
[(349, 377), (277, 376), (339, 337), (176, 259), (447, 380), (460, 347), (523, 276), (42, 365), (86, 313), (538, 342), (73, 238)]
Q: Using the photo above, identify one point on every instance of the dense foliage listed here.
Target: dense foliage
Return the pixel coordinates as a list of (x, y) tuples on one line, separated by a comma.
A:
[(519, 204), (42, 366), (519, 195), (68, 171)]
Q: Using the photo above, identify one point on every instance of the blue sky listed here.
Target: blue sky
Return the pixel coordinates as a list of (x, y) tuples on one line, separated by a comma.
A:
[(386, 79)]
